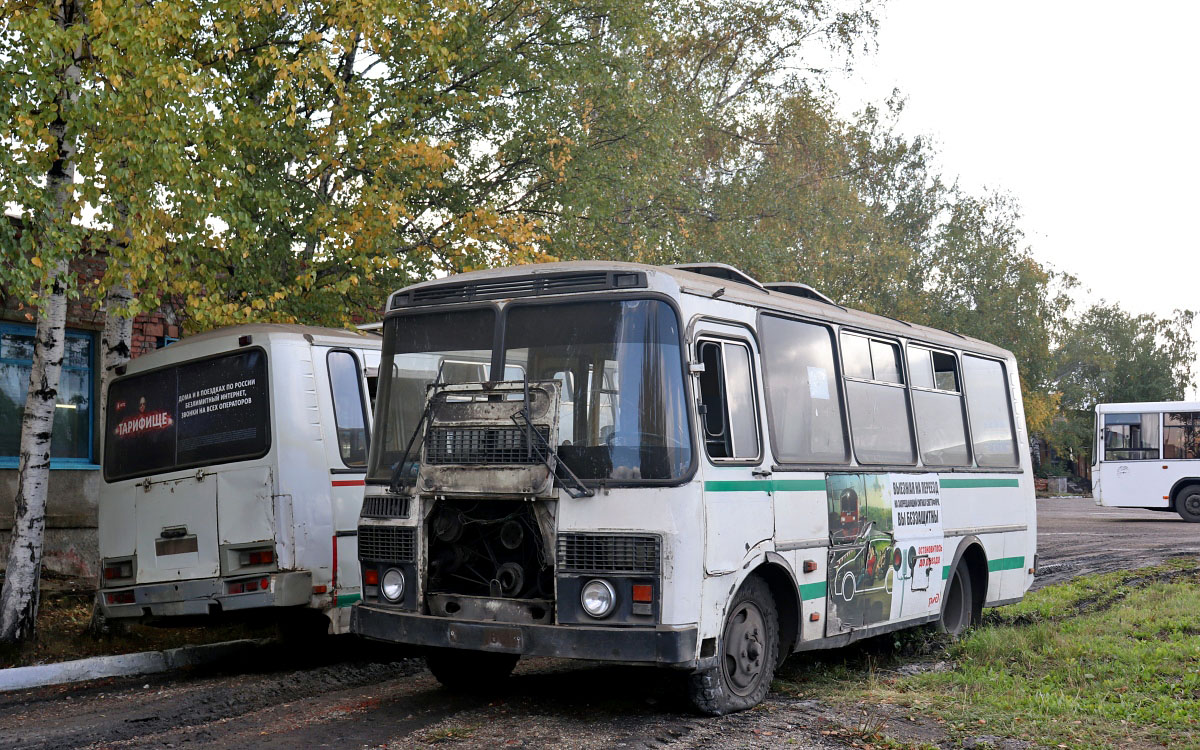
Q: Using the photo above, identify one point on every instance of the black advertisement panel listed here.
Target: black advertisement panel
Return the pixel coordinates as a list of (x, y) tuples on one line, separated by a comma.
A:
[(194, 414), (141, 424)]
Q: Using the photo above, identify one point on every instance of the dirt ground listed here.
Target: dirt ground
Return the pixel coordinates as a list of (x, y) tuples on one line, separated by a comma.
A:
[(341, 697)]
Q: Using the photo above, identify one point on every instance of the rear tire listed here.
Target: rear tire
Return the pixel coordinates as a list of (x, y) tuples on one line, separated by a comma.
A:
[(470, 671), (1187, 503), (958, 606), (747, 653)]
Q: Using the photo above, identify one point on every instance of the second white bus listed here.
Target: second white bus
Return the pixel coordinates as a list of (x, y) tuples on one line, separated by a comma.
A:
[(233, 476)]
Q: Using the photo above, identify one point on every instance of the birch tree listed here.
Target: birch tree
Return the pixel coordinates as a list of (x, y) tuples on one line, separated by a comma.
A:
[(52, 240)]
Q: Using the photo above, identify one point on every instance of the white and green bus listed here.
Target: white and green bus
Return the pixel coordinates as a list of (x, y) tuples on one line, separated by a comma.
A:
[(680, 466)]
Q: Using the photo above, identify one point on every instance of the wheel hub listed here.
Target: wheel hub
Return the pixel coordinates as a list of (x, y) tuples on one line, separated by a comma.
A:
[(744, 649)]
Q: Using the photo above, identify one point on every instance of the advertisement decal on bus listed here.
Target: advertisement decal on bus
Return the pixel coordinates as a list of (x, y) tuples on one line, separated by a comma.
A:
[(885, 559)]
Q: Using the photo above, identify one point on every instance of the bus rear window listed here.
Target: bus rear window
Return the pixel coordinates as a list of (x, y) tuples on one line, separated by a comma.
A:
[(194, 414)]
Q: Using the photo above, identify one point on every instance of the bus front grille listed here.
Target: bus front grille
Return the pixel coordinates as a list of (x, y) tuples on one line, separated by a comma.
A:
[(480, 445), (609, 553), (385, 507), (387, 543)]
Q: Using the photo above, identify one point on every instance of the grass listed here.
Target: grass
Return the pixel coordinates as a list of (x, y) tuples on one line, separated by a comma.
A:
[(1106, 660), (65, 612)]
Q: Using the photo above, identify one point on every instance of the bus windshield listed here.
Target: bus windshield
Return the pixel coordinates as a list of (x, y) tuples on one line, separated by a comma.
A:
[(619, 366)]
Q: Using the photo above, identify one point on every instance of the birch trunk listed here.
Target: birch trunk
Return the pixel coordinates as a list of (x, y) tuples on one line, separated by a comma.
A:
[(116, 343), (19, 596)]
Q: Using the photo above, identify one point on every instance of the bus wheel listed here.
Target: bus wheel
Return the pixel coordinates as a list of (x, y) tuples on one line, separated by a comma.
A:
[(958, 604), (746, 656), (1187, 503), (470, 671)]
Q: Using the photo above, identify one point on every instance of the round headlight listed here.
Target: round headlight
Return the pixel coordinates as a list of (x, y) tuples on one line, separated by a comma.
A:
[(392, 585), (598, 598)]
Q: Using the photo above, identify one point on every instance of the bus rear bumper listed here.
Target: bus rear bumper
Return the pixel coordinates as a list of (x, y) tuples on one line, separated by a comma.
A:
[(667, 645), (206, 595)]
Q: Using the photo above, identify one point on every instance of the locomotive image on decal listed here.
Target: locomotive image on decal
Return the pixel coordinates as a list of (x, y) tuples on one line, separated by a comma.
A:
[(880, 548)]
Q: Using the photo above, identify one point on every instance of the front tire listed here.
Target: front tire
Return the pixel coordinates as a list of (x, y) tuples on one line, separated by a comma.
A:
[(1187, 503), (747, 653), (470, 671), (958, 606)]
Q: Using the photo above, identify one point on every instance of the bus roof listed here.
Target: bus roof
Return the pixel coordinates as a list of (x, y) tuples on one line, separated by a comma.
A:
[(1141, 406), (207, 343), (724, 282)]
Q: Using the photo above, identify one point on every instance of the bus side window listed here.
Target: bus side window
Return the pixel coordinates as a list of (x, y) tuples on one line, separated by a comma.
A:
[(349, 412), (989, 407), (727, 401), (878, 401), (804, 403), (1181, 435), (1130, 437), (938, 407)]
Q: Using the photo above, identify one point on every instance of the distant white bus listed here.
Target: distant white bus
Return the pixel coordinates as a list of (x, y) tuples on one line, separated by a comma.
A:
[(1148, 456), (233, 474)]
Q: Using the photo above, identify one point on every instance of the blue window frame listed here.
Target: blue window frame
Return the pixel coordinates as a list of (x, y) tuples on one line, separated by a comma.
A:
[(74, 416)]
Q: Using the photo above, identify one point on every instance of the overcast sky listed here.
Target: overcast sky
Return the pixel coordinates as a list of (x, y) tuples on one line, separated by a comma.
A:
[(1086, 112)]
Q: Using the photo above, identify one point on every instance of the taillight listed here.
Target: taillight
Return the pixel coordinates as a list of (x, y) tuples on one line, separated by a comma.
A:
[(120, 597), (371, 577), (248, 557), (245, 587), (118, 570)]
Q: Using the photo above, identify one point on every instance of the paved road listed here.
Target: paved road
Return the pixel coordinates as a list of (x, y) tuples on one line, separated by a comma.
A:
[(341, 699), (1075, 537)]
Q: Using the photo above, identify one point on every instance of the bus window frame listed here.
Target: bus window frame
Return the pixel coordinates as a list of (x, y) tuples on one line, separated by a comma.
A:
[(363, 397), (872, 336), (1161, 440), (962, 396), (748, 342), (1019, 467), (832, 329)]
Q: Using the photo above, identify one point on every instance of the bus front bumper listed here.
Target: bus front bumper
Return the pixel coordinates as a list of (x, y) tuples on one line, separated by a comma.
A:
[(665, 644), (205, 596)]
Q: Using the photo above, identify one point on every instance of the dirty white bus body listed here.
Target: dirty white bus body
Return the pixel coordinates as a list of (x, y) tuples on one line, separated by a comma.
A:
[(1147, 455), (682, 467), (233, 474)]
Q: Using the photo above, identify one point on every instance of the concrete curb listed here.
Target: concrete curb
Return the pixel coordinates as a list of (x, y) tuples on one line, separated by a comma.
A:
[(123, 665)]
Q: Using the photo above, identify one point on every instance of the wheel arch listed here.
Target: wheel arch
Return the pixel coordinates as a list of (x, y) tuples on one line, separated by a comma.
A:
[(1179, 485), (972, 551), (775, 571)]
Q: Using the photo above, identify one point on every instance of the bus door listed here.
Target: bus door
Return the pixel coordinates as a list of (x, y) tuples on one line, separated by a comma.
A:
[(738, 510), (1131, 465), (885, 549)]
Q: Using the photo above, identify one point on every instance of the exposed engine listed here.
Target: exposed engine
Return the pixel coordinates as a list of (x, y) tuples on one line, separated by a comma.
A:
[(489, 548)]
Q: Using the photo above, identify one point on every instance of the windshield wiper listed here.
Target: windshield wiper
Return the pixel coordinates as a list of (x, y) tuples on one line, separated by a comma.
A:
[(398, 471), (537, 445)]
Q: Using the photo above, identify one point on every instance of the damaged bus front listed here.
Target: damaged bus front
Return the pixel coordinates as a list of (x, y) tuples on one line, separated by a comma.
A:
[(507, 507)]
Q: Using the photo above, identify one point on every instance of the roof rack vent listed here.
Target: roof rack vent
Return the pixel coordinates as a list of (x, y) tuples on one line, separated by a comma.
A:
[(796, 289), (722, 271)]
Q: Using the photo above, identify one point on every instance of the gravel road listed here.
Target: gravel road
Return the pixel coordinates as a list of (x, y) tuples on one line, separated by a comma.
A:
[(340, 698)]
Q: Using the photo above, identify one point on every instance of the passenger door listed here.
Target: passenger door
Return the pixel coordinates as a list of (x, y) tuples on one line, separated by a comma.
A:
[(737, 506)]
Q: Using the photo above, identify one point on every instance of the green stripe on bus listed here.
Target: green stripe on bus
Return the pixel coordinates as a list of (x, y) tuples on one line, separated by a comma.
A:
[(812, 590), (766, 485), (1005, 563), (345, 600), (994, 566), (965, 484)]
